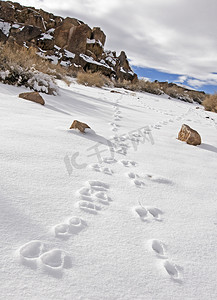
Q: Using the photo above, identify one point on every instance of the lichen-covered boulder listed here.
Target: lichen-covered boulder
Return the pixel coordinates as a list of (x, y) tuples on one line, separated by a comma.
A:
[(189, 135)]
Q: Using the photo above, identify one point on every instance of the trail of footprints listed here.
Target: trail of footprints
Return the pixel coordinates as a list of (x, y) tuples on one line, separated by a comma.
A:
[(149, 214), (93, 197)]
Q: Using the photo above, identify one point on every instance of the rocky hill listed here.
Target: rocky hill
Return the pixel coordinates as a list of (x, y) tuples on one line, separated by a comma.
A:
[(66, 41)]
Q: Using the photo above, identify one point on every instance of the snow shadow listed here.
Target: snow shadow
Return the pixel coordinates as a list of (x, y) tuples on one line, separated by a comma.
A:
[(92, 136), (208, 147), (48, 106)]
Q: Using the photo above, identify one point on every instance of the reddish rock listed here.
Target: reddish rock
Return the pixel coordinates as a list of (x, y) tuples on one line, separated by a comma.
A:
[(189, 135), (32, 96), (79, 125)]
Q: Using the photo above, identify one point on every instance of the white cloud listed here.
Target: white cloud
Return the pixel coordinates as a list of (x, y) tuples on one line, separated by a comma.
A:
[(174, 36), (182, 78)]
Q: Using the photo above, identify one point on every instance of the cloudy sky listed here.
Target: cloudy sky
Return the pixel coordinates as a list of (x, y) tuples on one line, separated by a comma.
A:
[(174, 40)]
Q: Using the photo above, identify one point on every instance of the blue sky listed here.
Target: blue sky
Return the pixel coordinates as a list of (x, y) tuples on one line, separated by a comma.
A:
[(177, 37), (153, 74)]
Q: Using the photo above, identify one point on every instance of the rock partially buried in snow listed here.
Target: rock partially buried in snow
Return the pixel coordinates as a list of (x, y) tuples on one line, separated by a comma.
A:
[(32, 96), (189, 135), (79, 125)]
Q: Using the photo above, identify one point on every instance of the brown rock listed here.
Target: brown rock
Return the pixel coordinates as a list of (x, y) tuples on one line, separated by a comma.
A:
[(189, 135), (98, 35), (30, 16), (32, 96), (45, 44), (72, 35), (62, 32), (28, 33), (3, 37), (79, 125), (78, 36), (6, 11), (94, 49)]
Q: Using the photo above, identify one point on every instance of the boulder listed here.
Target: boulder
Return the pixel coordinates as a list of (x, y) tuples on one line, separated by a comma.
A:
[(62, 32), (45, 44), (28, 33), (30, 16), (6, 11), (189, 135), (94, 49), (32, 96), (98, 35), (3, 37), (78, 36), (79, 125), (72, 35)]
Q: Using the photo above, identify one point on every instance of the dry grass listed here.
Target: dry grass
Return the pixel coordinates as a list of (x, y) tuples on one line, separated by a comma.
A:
[(140, 86), (210, 103), (27, 58), (93, 79), (148, 87), (24, 67)]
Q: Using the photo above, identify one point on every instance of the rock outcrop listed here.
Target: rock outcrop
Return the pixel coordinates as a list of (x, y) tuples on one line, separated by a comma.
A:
[(189, 135), (32, 96), (79, 125), (69, 41)]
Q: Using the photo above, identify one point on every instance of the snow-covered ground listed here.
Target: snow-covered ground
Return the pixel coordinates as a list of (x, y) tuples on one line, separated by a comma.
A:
[(125, 211)]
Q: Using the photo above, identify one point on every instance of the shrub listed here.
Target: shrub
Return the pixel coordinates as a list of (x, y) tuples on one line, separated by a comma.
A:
[(210, 103), (140, 86), (148, 87), (125, 84), (93, 79), (24, 67)]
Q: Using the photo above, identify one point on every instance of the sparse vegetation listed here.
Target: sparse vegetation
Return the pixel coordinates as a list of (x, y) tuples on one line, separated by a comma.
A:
[(93, 79), (23, 67), (210, 103), (140, 86)]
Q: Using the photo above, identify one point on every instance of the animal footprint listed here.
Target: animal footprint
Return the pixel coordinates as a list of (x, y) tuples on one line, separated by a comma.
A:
[(30, 252), (54, 261), (85, 193), (135, 179), (34, 253), (98, 185), (109, 160), (128, 163), (155, 212), (141, 212), (171, 269), (76, 224), (73, 226), (107, 171), (158, 247), (98, 168), (95, 167), (158, 179), (61, 230), (102, 197), (89, 207)]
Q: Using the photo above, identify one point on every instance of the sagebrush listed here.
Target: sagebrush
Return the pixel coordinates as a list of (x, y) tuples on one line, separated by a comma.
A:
[(24, 67), (210, 103), (93, 79)]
